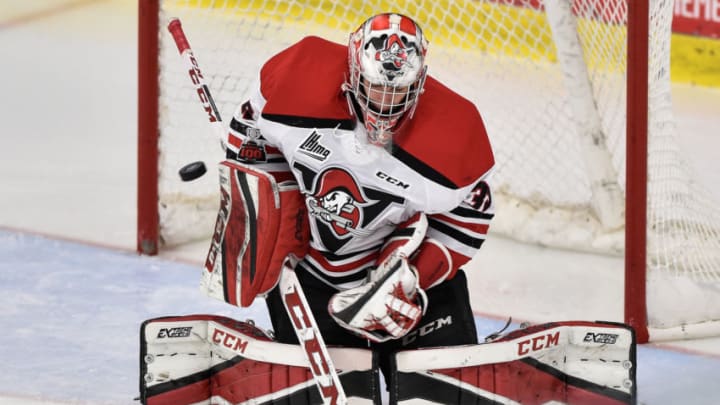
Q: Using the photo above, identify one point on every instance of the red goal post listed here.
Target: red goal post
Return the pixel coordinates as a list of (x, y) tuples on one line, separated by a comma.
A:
[(577, 105)]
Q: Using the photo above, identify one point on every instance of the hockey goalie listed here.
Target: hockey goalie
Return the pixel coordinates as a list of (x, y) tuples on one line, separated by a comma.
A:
[(364, 180)]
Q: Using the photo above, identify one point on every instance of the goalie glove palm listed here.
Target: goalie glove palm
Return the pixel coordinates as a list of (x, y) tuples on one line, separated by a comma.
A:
[(391, 303), (386, 308)]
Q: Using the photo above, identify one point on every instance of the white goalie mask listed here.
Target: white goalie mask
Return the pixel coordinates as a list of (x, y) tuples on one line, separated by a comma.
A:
[(386, 57)]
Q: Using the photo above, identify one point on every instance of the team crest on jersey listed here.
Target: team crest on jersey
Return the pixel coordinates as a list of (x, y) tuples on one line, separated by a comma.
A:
[(340, 207), (337, 200)]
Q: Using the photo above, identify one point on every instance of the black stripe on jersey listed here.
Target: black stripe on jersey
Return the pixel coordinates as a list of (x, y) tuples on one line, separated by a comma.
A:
[(332, 257), (459, 236), (401, 233), (335, 281), (238, 126), (422, 168), (471, 213), (309, 122)]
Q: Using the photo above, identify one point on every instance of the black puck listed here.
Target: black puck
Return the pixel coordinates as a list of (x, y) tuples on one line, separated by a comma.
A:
[(192, 171)]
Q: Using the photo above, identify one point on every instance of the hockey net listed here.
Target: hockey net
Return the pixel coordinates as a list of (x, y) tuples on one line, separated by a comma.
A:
[(550, 81)]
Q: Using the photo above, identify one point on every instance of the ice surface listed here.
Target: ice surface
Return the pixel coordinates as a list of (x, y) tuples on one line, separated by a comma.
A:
[(71, 315)]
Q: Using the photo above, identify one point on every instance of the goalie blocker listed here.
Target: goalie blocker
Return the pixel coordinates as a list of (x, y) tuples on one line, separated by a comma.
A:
[(260, 224), (205, 359)]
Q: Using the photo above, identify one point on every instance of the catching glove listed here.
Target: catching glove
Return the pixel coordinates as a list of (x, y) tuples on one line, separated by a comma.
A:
[(391, 303)]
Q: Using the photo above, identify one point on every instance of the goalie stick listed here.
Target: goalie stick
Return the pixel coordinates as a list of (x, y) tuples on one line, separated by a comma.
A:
[(319, 361), (194, 170), (308, 334), (202, 89)]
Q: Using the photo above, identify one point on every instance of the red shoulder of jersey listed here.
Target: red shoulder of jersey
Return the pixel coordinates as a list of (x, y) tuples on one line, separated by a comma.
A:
[(305, 81), (446, 140)]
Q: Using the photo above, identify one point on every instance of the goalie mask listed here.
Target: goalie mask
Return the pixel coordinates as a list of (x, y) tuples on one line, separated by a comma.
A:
[(387, 73)]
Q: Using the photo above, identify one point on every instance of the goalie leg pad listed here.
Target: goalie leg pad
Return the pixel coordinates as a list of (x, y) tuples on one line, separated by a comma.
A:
[(206, 359), (259, 225), (565, 362)]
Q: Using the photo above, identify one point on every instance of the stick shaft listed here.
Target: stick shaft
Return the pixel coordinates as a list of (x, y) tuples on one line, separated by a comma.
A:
[(198, 80), (308, 334)]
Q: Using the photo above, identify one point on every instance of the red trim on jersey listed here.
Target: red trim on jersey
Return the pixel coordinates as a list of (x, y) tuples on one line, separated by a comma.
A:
[(448, 134), (304, 80), (390, 247), (478, 228), (354, 265), (234, 140)]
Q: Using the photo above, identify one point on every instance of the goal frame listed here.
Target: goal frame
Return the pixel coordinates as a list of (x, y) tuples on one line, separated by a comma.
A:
[(148, 217), (636, 164), (635, 310)]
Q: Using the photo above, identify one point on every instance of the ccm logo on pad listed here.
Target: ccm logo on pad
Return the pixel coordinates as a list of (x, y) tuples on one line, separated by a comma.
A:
[(538, 343), (229, 340)]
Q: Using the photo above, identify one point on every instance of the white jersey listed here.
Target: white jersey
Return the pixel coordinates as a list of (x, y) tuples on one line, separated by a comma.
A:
[(356, 193)]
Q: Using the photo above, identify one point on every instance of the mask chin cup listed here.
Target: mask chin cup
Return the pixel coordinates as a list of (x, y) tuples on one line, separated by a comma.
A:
[(379, 137), (379, 130)]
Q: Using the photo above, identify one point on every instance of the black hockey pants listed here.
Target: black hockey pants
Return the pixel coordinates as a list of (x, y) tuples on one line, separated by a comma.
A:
[(449, 320)]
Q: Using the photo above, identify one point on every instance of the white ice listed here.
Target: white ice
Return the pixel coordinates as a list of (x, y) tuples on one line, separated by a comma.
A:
[(72, 293)]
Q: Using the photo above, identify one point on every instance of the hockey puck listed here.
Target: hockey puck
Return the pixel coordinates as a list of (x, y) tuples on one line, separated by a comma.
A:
[(192, 171)]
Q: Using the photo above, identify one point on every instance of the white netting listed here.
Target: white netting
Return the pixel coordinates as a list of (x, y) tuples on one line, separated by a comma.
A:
[(503, 56), (683, 222)]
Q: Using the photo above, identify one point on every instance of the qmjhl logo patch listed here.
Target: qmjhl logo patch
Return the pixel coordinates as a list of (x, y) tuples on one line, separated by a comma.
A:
[(312, 147)]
